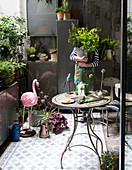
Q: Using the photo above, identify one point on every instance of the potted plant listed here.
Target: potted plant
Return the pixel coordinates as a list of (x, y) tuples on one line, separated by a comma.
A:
[(20, 68), (44, 103), (47, 115), (53, 51), (60, 13), (30, 53), (83, 39), (67, 13), (107, 161), (57, 121), (12, 34), (43, 122), (108, 48)]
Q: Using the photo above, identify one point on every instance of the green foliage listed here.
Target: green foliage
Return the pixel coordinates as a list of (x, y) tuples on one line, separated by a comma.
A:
[(109, 44), (65, 5), (108, 160), (18, 65), (21, 111), (84, 38), (129, 27), (8, 69), (7, 72), (12, 34), (73, 37), (58, 10), (43, 118), (30, 50)]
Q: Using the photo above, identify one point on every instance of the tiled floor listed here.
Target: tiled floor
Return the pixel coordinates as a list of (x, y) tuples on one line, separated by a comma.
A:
[(38, 153)]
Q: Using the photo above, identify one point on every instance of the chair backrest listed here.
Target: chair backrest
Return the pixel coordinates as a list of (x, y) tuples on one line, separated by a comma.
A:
[(111, 81)]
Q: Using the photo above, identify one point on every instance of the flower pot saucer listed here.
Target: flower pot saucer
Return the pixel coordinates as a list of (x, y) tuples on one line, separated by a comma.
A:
[(27, 133)]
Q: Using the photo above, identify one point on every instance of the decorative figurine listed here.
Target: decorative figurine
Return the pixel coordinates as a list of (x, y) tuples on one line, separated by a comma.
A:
[(29, 99), (68, 79)]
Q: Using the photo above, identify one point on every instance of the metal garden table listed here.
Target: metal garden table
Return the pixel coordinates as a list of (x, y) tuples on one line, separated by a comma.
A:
[(75, 103)]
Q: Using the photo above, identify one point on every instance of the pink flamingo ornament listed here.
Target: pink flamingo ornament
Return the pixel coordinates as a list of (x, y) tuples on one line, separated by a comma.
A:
[(29, 99)]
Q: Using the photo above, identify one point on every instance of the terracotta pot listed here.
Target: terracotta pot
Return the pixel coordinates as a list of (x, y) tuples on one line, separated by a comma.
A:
[(60, 15)]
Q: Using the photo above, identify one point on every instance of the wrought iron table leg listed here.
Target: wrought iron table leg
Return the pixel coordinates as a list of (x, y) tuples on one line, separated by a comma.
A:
[(95, 148), (94, 135), (71, 137)]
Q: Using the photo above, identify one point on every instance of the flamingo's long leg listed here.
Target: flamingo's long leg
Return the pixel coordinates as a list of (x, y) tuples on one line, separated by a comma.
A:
[(23, 117), (23, 121), (30, 120)]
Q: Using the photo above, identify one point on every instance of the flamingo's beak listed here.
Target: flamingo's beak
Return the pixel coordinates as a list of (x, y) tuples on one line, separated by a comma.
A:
[(37, 84)]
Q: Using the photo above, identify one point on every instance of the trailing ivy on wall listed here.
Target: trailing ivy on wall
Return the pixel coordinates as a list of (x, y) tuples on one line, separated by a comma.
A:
[(46, 1)]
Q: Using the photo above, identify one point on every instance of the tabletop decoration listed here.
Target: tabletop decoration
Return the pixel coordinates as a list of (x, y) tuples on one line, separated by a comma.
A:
[(68, 80), (102, 77), (101, 92)]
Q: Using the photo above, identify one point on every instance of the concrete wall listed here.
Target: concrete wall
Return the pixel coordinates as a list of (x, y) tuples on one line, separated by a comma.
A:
[(104, 14)]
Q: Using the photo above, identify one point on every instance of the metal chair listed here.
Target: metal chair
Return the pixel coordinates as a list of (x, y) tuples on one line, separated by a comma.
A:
[(111, 81)]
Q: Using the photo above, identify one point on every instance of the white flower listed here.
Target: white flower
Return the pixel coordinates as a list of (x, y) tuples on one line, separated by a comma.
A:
[(103, 70)]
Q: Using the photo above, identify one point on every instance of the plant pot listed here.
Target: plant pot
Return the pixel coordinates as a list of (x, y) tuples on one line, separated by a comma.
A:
[(67, 16), (54, 57), (44, 131), (109, 54), (80, 52), (60, 15)]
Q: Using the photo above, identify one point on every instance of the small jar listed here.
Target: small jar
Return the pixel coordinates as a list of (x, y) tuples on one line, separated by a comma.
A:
[(15, 132)]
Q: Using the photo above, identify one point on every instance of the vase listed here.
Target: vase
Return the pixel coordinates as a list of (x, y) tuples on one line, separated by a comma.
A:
[(44, 131)]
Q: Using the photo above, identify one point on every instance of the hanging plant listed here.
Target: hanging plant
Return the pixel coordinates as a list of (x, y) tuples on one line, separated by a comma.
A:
[(46, 1)]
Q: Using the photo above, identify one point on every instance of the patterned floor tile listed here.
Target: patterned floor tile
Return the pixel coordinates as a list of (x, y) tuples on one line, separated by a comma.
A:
[(37, 153)]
